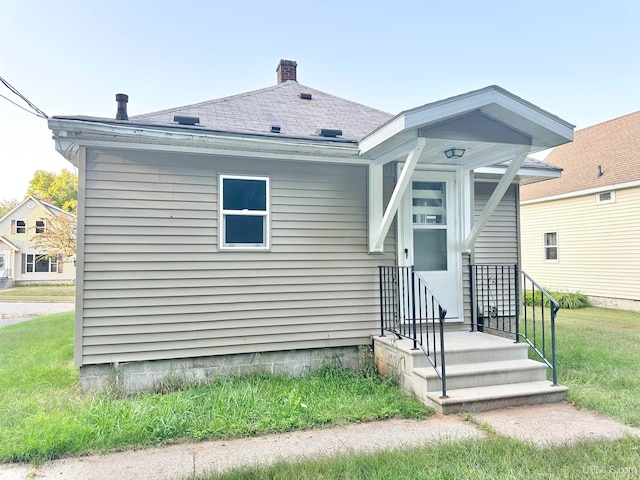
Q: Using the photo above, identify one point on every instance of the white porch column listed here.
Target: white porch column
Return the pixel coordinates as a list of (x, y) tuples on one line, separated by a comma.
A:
[(381, 228), (495, 198), (375, 202)]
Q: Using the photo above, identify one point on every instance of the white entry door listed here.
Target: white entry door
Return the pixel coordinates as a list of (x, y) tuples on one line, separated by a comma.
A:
[(429, 233)]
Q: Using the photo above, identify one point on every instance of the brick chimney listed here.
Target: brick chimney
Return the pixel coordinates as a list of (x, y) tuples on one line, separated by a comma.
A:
[(287, 71)]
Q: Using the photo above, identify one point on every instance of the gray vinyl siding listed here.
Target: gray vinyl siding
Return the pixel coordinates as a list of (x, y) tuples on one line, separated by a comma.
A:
[(156, 286), (498, 242), (497, 245)]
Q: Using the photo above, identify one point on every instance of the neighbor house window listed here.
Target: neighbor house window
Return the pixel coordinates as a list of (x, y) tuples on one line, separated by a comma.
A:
[(20, 226), (244, 212), (38, 263), (551, 246), (40, 226), (606, 197)]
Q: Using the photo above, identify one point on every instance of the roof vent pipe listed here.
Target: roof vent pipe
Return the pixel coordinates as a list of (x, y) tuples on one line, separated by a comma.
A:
[(121, 100)]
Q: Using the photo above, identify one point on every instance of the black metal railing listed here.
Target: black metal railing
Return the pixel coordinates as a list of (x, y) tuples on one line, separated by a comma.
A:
[(536, 319), (410, 309), (507, 301)]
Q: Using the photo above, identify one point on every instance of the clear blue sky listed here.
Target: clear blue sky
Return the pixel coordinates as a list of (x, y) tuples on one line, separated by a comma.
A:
[(577, 59)]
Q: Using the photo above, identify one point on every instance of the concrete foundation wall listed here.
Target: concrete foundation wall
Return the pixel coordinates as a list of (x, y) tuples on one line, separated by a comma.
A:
[(617, 303), (134, 377)]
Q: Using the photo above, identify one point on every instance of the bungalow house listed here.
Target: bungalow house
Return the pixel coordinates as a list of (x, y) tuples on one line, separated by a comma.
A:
[(282, 228), (20, 261), (581, 232)]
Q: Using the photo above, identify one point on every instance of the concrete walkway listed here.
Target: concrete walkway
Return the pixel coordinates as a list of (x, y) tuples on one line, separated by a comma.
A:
[(549, 424), (16, 312)]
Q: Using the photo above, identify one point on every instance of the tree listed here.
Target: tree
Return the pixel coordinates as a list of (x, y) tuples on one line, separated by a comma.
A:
[(59, 237), (7, 205), (59, 189)]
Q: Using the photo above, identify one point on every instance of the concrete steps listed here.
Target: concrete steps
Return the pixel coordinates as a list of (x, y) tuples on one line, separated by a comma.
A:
[(484, 372), (480, 399)]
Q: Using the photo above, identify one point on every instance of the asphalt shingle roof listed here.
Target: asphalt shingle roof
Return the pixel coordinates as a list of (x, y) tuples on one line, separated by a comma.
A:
[(613, 145), (254, 112)]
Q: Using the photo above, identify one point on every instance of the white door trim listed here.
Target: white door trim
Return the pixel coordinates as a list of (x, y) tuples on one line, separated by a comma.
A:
[(455, 224)]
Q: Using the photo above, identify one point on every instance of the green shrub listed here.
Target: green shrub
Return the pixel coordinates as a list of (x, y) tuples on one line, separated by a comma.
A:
[(570, 301)]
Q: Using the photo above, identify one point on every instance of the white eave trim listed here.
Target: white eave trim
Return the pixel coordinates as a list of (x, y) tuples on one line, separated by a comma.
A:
[(523, 172), (70, 133), (581, 193)]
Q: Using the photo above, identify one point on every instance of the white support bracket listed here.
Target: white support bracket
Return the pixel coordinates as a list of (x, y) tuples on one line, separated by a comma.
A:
[(379, 224), (495, 198)]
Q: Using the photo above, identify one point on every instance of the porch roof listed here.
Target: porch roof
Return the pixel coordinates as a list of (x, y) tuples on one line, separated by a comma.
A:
[(8, 243), (491, 124)]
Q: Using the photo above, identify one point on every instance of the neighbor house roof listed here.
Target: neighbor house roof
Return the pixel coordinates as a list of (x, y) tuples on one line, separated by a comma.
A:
[(602, 155)]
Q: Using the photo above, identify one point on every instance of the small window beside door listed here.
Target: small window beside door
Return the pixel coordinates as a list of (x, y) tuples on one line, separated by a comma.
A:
[(551, 246)]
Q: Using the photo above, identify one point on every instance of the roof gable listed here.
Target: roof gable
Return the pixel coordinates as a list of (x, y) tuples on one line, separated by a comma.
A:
[(610, 148), (27, 207), (256, 111)]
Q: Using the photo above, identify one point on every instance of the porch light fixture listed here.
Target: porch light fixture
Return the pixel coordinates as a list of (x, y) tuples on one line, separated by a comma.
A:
[(454, 152)]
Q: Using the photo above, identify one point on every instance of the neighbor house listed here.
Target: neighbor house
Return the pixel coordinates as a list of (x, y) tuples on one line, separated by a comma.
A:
[(248, 231), (20, 261), (581, 232)]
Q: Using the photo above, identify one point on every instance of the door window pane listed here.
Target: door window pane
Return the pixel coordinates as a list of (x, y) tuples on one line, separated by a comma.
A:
[(429, 203), (430, 250)]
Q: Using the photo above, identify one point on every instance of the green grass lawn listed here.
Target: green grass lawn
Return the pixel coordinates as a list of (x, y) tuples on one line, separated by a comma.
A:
[(598, 359), (492, 458), (43, 414), (39, 293)]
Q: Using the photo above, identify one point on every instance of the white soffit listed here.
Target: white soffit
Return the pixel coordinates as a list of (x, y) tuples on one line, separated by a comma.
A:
[(492, 116)]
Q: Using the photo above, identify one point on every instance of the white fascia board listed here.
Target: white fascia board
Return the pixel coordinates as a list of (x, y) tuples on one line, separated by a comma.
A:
[(580, 193), (535, 115), (94, 134), (379, 136), (444, 109), (523, 172)]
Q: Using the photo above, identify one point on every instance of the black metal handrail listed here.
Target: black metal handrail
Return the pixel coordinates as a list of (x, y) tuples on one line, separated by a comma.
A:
[(410, 309), (499, 292), (533, 333)]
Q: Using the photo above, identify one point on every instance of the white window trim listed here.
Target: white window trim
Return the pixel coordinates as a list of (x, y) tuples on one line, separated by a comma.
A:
[(545, 246), (599, 201), (34, 261), (222, 213), (26, 227), (44, 227)]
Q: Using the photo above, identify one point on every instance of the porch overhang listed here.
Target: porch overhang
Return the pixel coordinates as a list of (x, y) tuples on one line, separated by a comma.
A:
[(7, 243), (491, 125)]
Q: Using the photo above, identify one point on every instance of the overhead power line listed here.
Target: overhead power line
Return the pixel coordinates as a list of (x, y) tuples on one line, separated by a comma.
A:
[(20, 106), (36, 111)]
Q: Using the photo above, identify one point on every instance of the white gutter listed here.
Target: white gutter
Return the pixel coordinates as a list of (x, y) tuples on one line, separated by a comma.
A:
[(69, 133)]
